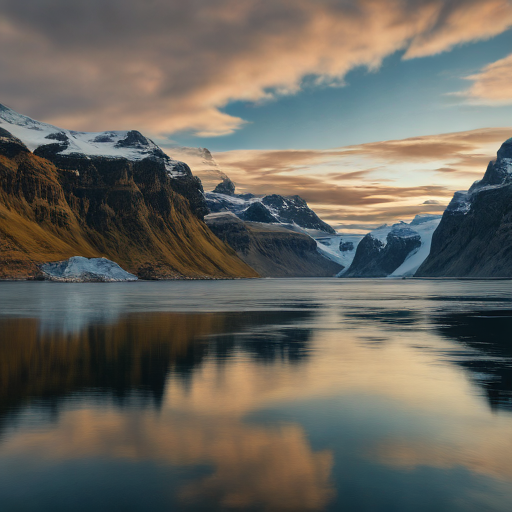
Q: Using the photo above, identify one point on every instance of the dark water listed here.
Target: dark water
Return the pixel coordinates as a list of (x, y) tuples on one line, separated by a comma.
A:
[(360, 395)]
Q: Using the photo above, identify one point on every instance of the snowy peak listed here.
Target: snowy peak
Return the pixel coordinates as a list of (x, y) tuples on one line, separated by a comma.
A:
[(498, 172), (130, 145), (291, 210), (394, 251), (460, 203), (400, 231)]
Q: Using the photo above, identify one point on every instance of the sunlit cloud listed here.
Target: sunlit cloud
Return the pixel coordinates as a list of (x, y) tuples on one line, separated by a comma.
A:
[(367, 184), (272, 468), (491, 86), (174, 66)]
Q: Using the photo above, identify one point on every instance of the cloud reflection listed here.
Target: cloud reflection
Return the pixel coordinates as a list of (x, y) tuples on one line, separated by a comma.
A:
[(273, 468)]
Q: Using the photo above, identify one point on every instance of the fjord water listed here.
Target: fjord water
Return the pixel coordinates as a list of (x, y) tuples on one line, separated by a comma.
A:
[(299, 394)]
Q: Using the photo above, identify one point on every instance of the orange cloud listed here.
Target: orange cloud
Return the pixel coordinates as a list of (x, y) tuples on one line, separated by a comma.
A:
[(368, 183), (253, 466), (175, 65), (492, 84)]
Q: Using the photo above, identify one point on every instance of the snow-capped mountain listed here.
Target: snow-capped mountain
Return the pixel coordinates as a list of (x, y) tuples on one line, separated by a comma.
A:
[(290, 210), (394, 250), (81, 151), (121, 203), (131, 145), (474, 238)]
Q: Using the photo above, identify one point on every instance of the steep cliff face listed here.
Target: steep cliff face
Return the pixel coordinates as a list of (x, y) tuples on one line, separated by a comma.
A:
[(474, 238), (127, 211), (272, 249), (377, 258)]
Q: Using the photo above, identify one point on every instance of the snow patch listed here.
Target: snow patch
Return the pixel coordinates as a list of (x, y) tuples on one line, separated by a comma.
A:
[(413, 261), (329, 246), (114, 144), (460, 203)]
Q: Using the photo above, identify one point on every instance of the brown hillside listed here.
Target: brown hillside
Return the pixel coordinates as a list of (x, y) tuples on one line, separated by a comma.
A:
[(127, 212)]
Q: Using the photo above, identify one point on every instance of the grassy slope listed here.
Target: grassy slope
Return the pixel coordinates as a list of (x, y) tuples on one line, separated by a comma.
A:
[(37, 224)]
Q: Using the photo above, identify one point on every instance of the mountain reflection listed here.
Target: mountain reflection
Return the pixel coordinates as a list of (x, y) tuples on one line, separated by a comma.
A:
[(135, 361), (136, 353), (489, 335), (485, 339), (359, 402)]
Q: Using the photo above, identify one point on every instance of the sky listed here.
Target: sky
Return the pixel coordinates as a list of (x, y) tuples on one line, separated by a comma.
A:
[(372, 110)]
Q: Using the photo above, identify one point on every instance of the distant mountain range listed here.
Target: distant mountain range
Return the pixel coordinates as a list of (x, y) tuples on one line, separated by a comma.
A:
[(117, 195), (273, 234), (289, 210)]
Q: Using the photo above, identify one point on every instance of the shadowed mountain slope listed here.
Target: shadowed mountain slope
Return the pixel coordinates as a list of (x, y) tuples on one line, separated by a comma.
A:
[(273, 250), (474, 238)]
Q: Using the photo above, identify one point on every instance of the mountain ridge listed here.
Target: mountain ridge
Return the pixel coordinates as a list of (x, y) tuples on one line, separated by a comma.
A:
[(474, 238), (132, 212)]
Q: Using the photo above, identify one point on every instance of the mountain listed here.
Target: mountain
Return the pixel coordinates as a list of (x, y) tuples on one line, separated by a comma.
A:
[(113, 195), (272, 249), (394, 251), (474, 238), (289, 210), (340, 248), (71, 150), (273, 234)]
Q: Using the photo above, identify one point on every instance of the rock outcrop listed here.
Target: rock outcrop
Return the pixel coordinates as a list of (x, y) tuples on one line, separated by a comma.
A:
[(377, 258), (272, 249), (226, 187), (474, 238)]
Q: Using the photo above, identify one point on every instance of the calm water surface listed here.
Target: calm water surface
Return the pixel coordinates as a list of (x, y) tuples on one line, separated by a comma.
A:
[(311, 394)]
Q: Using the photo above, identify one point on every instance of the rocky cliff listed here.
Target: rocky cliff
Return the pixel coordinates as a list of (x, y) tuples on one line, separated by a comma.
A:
[(272, 249), (377, 258), (142, 212), (474, 238), (395, 250)]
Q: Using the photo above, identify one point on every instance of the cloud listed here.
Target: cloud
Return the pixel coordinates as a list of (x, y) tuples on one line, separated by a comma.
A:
[(370, 218), (457, 146), (250, 464), (170, 66), (491, 85), (369, 183)]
